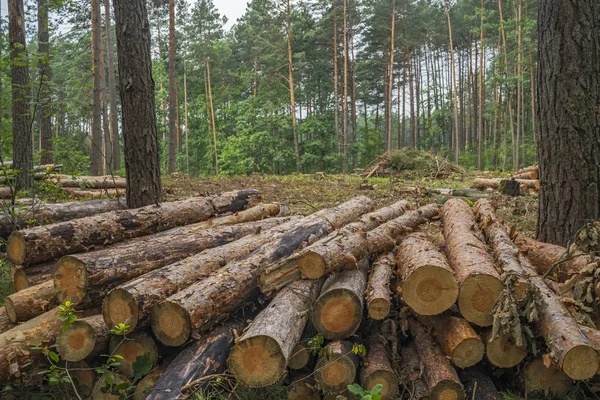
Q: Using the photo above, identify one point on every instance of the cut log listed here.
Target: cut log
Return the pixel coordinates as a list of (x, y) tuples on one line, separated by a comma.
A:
[(426, 280), (5, 323), (544, 255), (119, 379), (205, 303), (131, 302), (86, 337), (457, 339), (98, 182), (504, 352), (304, 387), (544, 377), (338, 311), (531, 175), (377, 369), (336, 369), (83, 377), (260, 357), (45, 243), (136, 345), (535, 168), (478, 385), (378, 289), (6, 192), (74, 274), (31, 302), (443, 195), (483, 183), (439, 376), (44, 214), (24, 277), (478, 281), (146, 384), (201, 358), (300, 356), (412, 372), (94, 193)]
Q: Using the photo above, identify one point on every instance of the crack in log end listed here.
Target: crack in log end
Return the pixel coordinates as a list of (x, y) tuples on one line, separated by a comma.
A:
[(70, 280)]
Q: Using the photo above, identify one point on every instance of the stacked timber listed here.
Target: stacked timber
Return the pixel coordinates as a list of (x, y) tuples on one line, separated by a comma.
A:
[(499, 183)]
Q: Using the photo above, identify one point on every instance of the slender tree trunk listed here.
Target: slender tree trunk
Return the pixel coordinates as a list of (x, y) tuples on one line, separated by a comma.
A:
[(404, 141), (481, 72), (388, 134), (413, 123), (112, 86), (456, 132), (353, 100), (185, 110), (1, 91), (508, 94), (345, 98), (212, 114), (142, 162), (46, 156), (107, 148), (97, 156), (336, 95), (519, 85), (172, 91), (291, 83)]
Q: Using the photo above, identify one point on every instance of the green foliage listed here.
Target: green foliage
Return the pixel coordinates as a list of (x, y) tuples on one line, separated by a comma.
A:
[(141, 367), (360, 393), (68, 314)]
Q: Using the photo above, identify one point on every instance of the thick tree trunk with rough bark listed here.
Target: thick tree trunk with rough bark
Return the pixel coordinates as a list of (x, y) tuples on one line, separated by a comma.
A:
[(80, 235), (260, 357), (45, 75), (426, 280), (378, 368), (85, 337), (76, 273), (130, 348), (477, 278), (205, 303), (31, 302), (137, 98), (336, 369), (504, 352), (378, 294), (569, 118)]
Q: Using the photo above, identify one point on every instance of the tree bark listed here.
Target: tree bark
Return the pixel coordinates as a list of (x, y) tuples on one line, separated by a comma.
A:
[(569, 119), (290, 57), (454, 90), (336, 369), (86, 337), (345, 95), (198, 307), (97, 151), (45, 243), (426, 280), (378, 369), (336, 96), (75, 275), (260, 357), (388, 133), (531, 175), (112, 85), (172, 91), (478, 385), (31, 302), (497, 183), (504, 352), (46, 156), (24, 277), (414, 371), (5, 323), (135, 345), (479, 283), (137, 99), (378, 294)]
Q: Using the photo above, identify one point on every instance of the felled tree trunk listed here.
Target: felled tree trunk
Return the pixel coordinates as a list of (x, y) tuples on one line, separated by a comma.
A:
[(483, 183), (378, 288), (98, 182), (303, 387), (413, 373), (5, 323), (260, 357), (31, 302), (94, 193), (478, 385), (300, 356), (425, 277), (45, 243), (336, 369), (24, 277), (86, 337), (457, 339), (535, 168), (530, 176), (205, 303), (131, 302), (130, 348), (378, 368), (74, 274), (204, 357), (337, 313), (478, 281), (545, 378), (439, 376), (504, 352)]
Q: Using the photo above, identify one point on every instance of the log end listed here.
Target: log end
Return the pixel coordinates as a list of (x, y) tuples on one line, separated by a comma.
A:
[(477, 296), (430, 290), (546, 379), (119, 307), (10, 310), (136, 345), (20, 280), (387, 379), (379, 308), (16, 248), (303, 391), (336, 374), (257, 361), (312, 265), (447, 390), (468, 353), (337, 314), (581, 362), (300, 356), (70, 280), (83, 377), (171, 323), (504, 352), (77, 342)]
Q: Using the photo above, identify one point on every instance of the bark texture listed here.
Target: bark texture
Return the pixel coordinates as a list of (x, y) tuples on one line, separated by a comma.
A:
[(5, 323), (336, 370), (378, 292), (31, 302), (478, 385), (31, 276), (86, 337), (97, 150), (172, 90), (378, 369), (413, 371), (112, 85)]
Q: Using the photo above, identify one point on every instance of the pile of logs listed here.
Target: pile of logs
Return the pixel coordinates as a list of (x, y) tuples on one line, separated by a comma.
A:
[(526, 179), (413, 298)]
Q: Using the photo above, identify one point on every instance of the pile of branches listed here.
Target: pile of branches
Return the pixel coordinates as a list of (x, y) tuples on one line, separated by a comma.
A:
[(413, 161)]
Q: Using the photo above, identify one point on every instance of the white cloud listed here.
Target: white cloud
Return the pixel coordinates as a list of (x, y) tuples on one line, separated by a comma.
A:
[(232, 9)]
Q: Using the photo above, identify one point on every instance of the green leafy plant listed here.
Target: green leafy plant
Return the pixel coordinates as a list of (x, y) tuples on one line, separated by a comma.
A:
[(67, 314), (362, 394), (315, 346)]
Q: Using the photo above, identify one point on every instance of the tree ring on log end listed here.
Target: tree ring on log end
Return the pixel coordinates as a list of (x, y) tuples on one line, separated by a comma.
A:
[(477, 296), (448, 390), (468, 353), (303, 392), (257, 361), (300, 356), (379, 309), (70, 280), (10, 310), (171, 323), (335, 375), (311, 265), (77, 342), (16, 248), (119, 307), (430, 290), (132, 347), (581, 362), (20, 280), (337, 314), (504, 352), (385, 378)]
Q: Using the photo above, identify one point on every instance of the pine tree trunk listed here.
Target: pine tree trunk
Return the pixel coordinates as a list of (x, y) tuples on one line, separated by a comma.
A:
[(388, 133), (481, 72), (378, 294), (345, 95), (172, 91), (378, 368), (96, 158), (46, 156), (291, 83), (454, 90), (185, 110), (112, 85), (336, 96), (85, 337), (212, 114)]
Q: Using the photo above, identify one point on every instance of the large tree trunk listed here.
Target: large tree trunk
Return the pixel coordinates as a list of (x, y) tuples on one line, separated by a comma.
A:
[(569, 118), (96, 158), (336, 369), (31, 302), (85, 337), (378, 294), (201, 305), (456, 141), (75, 274), (479, 283), (48, 242), (112, 86), (378, 368), (427, 282), (137, 98), (260, 357), (46, 156), (213, 125), (21, 92), (345, 95), (130, 348), (172, 91)]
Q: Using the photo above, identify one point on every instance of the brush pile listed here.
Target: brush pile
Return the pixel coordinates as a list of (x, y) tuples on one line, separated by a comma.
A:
[(419, 302), (413, 161)]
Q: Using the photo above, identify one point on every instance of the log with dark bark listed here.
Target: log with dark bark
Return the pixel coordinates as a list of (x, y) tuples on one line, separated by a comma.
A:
[(457, 339), (130, 348), (24, 277), (504, 352), (205, 303), (260, 357), (31, 302), (45, 243), (425, 277), (336, 369), (338, 311), (412, 372), (5, 323), (74, 274), (542, 376), (378, 294), (478, 385), (131, 302), (85, 337), (439, 376), (478, 281), (378, 369), (304, 387), (201, 358)]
